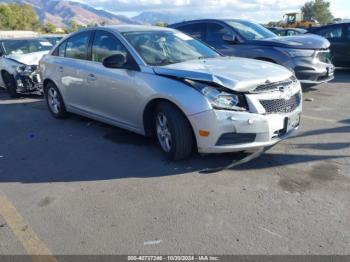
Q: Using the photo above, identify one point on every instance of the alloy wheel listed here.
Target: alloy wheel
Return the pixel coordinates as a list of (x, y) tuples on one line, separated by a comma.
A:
[(163, 132), (54, 101)]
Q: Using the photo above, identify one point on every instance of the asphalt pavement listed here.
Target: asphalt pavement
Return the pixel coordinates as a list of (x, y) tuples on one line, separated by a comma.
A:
[(77, 186)]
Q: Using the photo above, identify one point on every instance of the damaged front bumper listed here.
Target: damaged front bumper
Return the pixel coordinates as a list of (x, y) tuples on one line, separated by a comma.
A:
[(272, 118), (235, 131), (28, 81)]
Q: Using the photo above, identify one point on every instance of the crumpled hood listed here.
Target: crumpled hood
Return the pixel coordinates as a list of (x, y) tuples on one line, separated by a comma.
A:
[(238, 74), (28, 59), (308, 41)]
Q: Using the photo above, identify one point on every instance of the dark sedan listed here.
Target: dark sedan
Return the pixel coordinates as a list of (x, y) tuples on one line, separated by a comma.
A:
[(339, 37), (307, 55)]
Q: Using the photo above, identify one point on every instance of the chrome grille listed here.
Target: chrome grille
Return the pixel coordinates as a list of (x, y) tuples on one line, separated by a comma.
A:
[(281, 105), (268, 87)]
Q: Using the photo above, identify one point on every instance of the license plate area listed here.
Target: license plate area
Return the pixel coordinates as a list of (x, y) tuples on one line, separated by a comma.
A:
[(330, 71), (291, 122)]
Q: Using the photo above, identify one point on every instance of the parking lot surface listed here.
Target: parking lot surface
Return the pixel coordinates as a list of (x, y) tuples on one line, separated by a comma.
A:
[(77, 186)]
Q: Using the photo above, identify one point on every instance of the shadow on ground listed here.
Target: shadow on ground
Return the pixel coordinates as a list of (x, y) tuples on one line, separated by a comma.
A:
[(342, 75), (98, 151)]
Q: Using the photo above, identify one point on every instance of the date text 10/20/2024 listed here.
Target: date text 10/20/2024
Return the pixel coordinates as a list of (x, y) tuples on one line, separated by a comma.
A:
[(173, 258)]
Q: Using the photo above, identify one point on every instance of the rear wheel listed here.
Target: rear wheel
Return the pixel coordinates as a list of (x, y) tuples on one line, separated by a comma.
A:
[(173, 132), (54, 101), (10, 84)]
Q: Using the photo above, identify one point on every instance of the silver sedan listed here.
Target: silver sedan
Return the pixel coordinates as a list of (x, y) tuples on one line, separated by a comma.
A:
[(160, 82)]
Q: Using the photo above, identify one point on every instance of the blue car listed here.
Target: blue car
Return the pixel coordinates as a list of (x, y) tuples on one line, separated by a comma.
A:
[(307, 56)]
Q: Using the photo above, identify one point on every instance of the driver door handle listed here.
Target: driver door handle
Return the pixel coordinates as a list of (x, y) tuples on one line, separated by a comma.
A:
[(91, 77)]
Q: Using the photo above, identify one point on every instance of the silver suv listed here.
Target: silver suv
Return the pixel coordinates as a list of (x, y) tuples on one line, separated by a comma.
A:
[(160, 82)]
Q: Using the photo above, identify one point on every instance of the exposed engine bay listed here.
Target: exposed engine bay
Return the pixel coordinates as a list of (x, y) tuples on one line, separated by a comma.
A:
[(28, 80)]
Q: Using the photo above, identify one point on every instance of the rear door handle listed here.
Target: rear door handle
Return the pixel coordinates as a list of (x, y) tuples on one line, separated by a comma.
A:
[(91, 77)]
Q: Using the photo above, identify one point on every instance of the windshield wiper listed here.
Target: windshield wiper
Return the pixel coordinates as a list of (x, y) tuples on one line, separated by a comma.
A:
[(166, 61)]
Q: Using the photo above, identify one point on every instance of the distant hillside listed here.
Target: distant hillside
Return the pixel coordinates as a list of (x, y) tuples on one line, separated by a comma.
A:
[(150, 17), (60, 13)]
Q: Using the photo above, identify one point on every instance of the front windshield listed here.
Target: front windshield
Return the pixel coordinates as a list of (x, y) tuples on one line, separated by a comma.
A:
[(25, 46), (167, 47), (250, 31)]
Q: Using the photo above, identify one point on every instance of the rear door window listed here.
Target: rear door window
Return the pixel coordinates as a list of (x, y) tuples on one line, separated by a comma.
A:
[(291, 33), (195, 30), (332, 32), (215, 33), (77, 46)]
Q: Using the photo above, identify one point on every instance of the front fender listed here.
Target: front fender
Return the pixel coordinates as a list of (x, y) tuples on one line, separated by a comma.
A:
[(188, 99), (9, 66)]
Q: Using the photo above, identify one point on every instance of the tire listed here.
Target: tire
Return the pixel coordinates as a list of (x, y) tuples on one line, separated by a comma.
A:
[(173, 131), (54, 101), (10, 84)]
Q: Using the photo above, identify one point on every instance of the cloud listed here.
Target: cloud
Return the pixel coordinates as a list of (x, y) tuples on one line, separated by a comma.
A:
[(258, 10)]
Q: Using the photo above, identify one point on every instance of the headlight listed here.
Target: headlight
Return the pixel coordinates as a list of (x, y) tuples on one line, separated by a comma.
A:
[(222, 100), (296, 52), (25, 69)]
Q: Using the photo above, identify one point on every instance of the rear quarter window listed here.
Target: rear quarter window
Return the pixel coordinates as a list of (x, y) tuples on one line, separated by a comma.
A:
[(61, 50)]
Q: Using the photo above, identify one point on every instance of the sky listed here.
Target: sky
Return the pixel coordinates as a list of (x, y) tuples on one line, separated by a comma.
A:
[(258, 10)]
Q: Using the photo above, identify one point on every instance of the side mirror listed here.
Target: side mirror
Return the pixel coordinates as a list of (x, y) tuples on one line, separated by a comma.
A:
[(115, 61), (231, 39)]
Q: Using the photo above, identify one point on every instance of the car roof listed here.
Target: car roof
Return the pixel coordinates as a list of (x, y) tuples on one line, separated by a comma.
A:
[(329, 25), (22, 38), (340, 23), (130, 28), (52, 36), (223, 20), (295, 29)]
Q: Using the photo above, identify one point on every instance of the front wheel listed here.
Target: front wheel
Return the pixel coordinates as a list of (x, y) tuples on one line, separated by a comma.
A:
[(10, 84), (54, 101), (173, 132)]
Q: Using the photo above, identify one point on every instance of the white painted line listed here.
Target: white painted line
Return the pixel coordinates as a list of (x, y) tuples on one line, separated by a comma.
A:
[(20, 101), (319, 119), (153, 242), (270, 232)]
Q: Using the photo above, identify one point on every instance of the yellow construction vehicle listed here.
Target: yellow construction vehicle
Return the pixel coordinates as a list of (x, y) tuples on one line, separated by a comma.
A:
[(296, 20)]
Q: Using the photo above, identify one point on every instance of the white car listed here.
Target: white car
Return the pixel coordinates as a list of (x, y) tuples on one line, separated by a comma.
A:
[(19, 59)]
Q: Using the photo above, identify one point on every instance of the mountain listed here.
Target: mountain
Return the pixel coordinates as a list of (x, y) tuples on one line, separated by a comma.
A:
[(150, 17), (61, 12)]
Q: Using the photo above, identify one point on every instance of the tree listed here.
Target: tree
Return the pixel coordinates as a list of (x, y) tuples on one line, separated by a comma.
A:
[(161, 24), (319, 10), (73, 26), (18, 17), (49, 28), (6, 17)]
